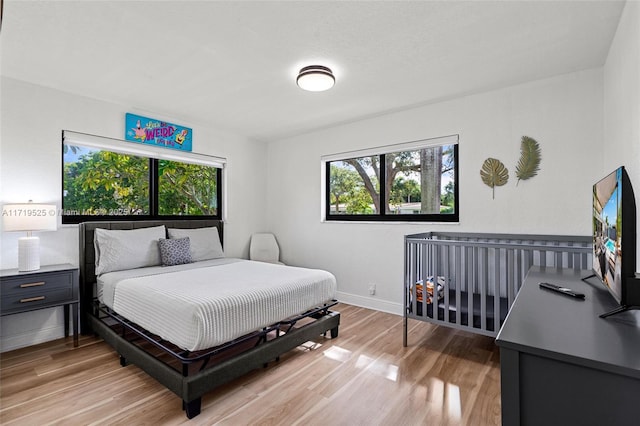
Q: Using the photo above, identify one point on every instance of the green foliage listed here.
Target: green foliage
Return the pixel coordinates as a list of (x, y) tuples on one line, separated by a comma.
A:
[(529, 162), (448, 198), (364, 166), (103, 182), (108, 183), (446, 209), (347, 191), (359, 202), (186, 189), (341, 183), (404, 190)]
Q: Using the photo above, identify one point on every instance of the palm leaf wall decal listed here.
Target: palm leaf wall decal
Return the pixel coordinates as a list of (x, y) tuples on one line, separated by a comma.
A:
[(494, 173), (529, 163)]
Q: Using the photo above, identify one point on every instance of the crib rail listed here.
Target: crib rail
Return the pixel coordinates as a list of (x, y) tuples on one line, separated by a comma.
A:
[(469, 280)]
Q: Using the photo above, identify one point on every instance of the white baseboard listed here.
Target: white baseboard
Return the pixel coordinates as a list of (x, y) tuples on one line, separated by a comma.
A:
[(32, 337), (371, 303)]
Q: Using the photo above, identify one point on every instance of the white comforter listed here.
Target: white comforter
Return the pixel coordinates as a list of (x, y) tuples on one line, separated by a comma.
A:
[(200, 307)]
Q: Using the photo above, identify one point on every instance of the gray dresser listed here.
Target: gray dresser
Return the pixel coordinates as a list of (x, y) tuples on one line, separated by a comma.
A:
[(561, 364)]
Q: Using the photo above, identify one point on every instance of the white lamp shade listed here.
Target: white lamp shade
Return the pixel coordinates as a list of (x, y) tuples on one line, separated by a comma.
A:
[(29, 217)]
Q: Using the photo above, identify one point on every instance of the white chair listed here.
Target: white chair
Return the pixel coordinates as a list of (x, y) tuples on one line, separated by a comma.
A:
[(264, 248)]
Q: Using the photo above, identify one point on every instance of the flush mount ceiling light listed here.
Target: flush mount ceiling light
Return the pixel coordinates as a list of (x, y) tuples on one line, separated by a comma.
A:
[(315, 78)]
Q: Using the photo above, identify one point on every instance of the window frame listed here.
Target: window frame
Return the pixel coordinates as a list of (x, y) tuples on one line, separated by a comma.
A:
[(154, 155), (383, 216)]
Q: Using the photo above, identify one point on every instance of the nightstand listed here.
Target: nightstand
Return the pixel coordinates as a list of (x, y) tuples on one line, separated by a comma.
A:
[(49, 286)]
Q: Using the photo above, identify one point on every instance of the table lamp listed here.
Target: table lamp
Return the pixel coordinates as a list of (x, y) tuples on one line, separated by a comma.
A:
[(29, 217)]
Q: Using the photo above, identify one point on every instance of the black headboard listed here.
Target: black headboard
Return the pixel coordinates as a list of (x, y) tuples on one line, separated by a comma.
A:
[(87, 253)]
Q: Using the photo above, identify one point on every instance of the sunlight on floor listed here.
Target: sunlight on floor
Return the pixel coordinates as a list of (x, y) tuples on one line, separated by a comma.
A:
[(453, 402), (337, 353), (445, 396), (378, 367)]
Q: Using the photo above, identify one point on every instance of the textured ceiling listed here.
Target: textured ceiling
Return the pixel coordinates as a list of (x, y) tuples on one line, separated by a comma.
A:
[(232, 65)]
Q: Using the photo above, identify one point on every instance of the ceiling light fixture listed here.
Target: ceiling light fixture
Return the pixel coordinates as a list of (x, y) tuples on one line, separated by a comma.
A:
[(315, 78)]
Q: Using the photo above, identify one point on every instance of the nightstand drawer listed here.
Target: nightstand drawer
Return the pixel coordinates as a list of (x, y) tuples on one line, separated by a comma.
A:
[(36, 299), (36, 283)]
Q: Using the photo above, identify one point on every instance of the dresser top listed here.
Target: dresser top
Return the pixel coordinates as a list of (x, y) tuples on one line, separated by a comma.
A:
[(43, 270), (545, 323)]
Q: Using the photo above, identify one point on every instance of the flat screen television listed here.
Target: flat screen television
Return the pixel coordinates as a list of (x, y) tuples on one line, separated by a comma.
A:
[(614, 239)]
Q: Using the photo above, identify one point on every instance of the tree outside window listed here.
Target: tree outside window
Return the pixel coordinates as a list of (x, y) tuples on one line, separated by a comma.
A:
[(417, 184), (99, 183)]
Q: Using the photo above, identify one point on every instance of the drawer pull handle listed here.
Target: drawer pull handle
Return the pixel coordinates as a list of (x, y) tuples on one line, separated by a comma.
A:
[(32, 299), (39, 283)]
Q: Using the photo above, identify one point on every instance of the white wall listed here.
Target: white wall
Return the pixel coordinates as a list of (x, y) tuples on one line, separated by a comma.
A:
[(564, 114), (587, 123), (31, 168), (622, 103)]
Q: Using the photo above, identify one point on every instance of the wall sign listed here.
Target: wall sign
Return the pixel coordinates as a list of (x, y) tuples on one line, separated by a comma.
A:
[(156, 132)]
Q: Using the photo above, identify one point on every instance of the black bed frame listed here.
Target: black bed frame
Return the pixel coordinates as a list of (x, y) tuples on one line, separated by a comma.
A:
[(189, 375)]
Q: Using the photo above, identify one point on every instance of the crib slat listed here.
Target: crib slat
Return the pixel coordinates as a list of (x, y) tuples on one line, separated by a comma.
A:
[(446, 260), (508, 271), (468, 273), (433, 272), (477, 256), (425, 267), (457, 275), (496, 298), (519, 270)]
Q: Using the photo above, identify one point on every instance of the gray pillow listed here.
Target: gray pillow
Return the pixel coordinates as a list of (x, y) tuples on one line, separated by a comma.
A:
[(205, 242), (175, 252), (117, 250)]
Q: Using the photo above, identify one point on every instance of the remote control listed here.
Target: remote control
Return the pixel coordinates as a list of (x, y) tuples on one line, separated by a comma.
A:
[(563, 290)]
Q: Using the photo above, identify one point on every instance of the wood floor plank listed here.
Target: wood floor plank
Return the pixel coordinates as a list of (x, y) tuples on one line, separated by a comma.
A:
[(30, 392), (39, 408), (364, 377)]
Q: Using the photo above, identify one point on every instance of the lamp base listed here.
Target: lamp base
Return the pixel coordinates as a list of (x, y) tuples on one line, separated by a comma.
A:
[(28, 254)]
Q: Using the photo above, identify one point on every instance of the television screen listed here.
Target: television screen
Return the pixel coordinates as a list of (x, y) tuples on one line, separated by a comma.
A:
[(607, 231)]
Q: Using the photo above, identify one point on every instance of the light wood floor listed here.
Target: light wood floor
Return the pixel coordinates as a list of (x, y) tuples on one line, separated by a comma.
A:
[(364, 377)]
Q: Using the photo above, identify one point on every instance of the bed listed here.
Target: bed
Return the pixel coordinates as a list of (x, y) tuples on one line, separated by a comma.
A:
[(165, 297)]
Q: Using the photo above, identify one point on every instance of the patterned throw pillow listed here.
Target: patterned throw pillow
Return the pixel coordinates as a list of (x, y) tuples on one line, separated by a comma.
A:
[(175, 251)]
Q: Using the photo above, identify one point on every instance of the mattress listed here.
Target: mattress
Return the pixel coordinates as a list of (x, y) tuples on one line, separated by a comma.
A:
[(205, 304)]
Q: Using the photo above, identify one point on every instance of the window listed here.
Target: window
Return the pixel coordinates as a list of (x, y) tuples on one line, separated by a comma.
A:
[(408, 182), (187, 189), (354, 187), (102, 183)]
